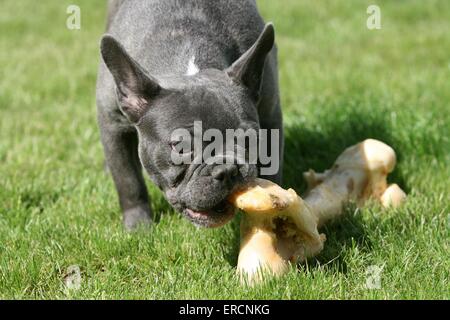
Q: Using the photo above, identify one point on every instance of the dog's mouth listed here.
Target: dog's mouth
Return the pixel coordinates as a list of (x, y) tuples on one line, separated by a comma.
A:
[(211, 218)]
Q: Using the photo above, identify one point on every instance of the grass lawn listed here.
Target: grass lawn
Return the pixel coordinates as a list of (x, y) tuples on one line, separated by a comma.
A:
[(340, 82)]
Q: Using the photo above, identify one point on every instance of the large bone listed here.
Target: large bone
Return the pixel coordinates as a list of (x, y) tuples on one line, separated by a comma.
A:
[(279, 227)]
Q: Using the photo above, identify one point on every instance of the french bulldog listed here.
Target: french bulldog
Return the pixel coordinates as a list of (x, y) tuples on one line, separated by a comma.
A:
[(166, 64)]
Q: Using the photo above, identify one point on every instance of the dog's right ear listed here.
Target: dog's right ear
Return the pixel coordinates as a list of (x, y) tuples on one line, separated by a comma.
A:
[(135, 88)]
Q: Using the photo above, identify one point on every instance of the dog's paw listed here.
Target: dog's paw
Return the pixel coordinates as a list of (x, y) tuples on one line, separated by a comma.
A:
[(135, 217)]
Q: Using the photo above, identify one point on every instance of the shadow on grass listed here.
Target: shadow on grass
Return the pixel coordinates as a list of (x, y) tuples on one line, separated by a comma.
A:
[(231, 255), (305, 149), (344, 232)]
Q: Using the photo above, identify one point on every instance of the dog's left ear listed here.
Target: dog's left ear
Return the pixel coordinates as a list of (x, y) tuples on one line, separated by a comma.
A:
[(248, 69)]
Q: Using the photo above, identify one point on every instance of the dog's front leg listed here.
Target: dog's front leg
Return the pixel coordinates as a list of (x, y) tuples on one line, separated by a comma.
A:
[(121, 151)]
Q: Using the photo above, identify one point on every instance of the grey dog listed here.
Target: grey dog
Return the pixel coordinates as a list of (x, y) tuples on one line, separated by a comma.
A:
[(166, 64)]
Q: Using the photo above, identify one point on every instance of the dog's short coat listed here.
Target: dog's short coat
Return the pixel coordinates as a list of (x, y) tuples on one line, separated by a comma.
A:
[(166, 64)]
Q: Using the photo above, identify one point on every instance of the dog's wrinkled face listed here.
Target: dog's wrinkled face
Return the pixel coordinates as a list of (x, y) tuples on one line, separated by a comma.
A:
[(196, 188), (217, 99)]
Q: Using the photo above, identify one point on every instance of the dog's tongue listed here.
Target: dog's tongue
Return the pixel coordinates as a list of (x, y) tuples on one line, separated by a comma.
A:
[(197, 214)]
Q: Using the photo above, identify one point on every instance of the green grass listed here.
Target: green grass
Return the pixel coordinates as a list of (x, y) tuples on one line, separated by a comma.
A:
[(341, 83)]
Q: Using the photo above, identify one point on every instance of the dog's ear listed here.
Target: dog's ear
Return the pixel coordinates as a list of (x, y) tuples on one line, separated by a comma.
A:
[(135, 89), (248, 69)]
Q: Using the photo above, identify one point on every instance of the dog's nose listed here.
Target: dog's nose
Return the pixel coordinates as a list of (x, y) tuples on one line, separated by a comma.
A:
[(225, 172)]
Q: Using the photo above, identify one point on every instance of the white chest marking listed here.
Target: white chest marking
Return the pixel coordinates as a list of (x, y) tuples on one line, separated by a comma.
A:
[(192, 68)]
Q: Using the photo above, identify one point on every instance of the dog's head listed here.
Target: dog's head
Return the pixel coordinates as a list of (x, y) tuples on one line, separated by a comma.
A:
[(215, 99)]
